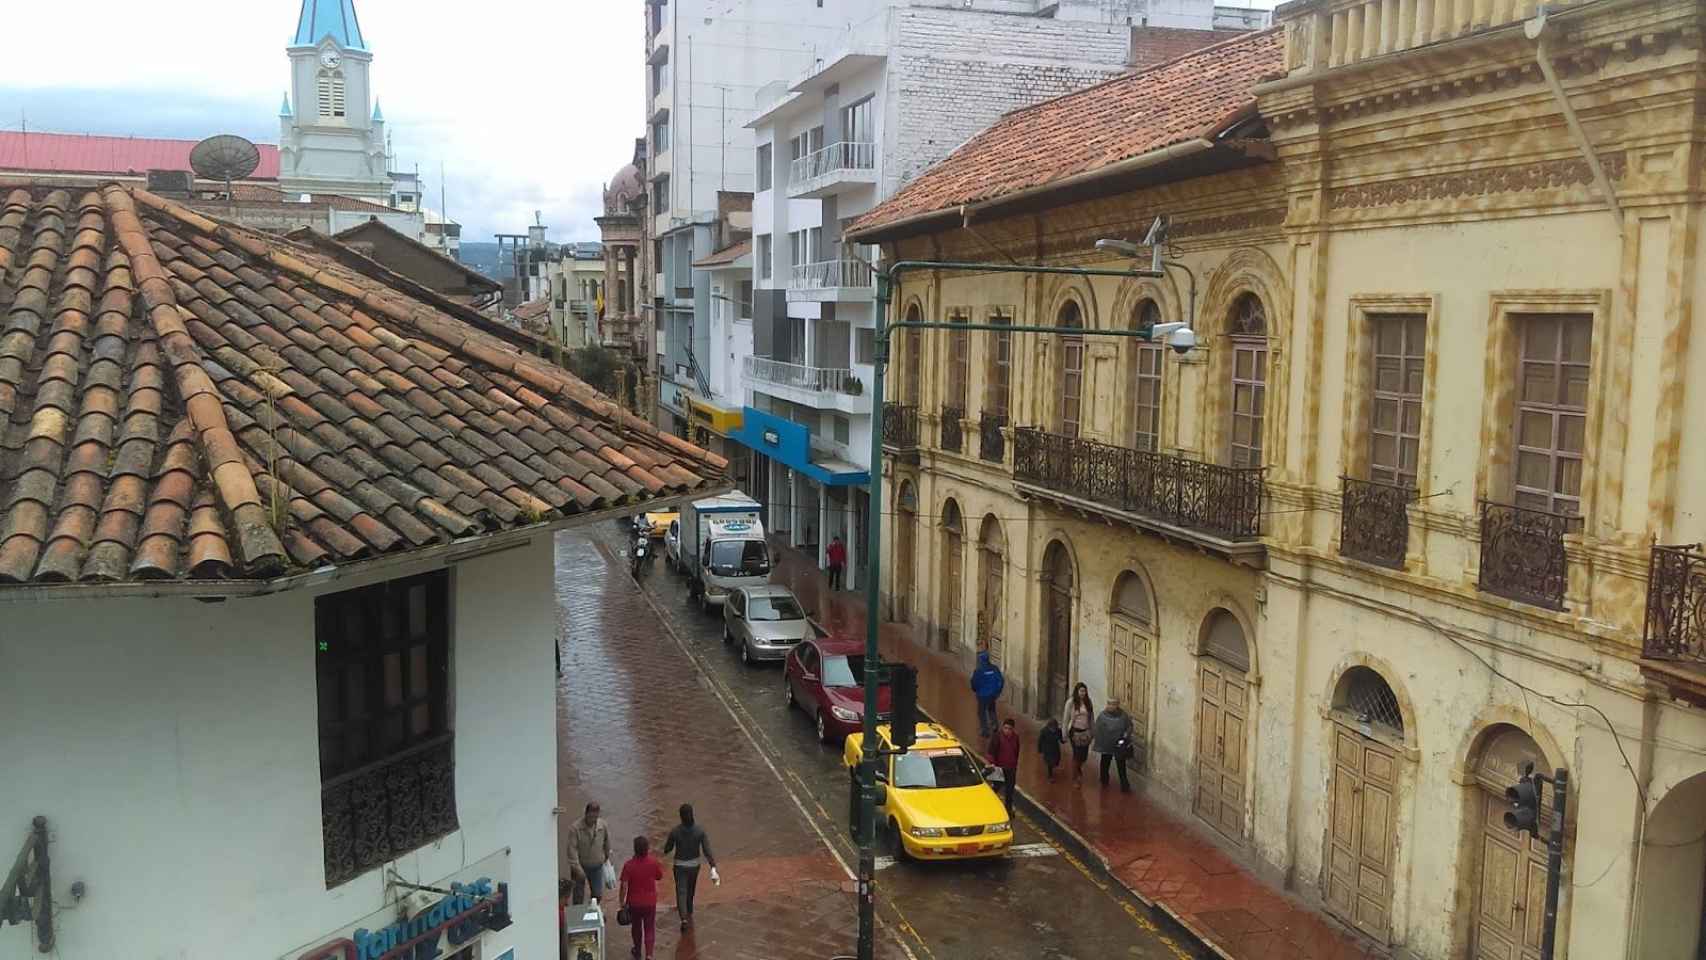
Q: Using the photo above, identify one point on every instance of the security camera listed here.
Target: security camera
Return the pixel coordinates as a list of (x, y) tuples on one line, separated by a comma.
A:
[(1183, 341)]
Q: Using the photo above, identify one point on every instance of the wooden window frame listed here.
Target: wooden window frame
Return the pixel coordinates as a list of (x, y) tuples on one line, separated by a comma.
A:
[(1401, 397), (1556, 411), (998, 387), (959, 360), (1147, 368), (1256, 347), (1069, 379)]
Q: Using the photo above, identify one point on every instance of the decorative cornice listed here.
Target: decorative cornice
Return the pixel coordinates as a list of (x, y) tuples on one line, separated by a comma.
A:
[(1541, 175), (1230, 222)]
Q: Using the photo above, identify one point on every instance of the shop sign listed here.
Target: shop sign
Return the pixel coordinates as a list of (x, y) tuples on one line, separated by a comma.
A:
[(447, 921), (772, 438)]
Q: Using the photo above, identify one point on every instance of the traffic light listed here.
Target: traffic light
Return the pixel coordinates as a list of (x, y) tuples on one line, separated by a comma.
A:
[(903, 695), (1524, 814)]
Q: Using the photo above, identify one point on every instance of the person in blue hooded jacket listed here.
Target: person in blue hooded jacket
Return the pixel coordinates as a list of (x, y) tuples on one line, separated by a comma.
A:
[(986, 683)]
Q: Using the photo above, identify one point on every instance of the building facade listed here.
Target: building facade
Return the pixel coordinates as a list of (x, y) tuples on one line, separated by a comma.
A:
[(1397, 527), (896, 94)]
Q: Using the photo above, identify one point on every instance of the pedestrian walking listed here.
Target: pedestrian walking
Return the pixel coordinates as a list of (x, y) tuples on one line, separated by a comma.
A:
[(638, 894), (1004, 753), (837, 556), (1049, 742), (1080, 716), (588, 852), (689, 843), (1113, 736), (986, 684)]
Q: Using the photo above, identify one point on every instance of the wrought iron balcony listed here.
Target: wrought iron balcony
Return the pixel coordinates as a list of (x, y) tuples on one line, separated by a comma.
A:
[(819, 173), (831, 274), (1374, 525), (1224, 502), (1676, 605), (991, 445), (900, 426), (953, 430), (783, 374), (1522, 554), (379, 812)]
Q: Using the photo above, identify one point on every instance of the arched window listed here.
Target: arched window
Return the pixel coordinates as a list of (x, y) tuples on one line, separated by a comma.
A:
[(1223, 639), (1248, 328), (1146, 382), (331, 93), (1131, 599), (1364, 696), (1071, 369), (911, 384)]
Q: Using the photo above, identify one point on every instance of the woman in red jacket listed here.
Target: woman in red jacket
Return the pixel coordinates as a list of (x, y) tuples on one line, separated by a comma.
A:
[(639, 893)]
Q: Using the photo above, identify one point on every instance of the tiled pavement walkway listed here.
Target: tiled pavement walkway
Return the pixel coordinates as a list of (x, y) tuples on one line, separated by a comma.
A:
[(1166, 860), (640, 732)]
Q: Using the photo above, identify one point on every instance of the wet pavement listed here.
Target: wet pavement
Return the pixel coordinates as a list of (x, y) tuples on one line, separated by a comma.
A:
[(655, 711)]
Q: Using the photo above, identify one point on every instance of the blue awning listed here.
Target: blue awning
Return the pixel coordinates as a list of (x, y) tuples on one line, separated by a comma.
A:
[(790, 444)]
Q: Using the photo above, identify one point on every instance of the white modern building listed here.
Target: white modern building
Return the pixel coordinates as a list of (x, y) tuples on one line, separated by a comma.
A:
[(898, 92)]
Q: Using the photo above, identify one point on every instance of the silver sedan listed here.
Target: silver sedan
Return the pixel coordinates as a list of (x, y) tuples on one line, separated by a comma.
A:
[(765, 622)]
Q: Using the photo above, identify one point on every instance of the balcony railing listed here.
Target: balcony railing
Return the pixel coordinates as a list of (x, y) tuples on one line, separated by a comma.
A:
[(371, 816), (1222, 501), (991, 445), (953, 429), (900, 425), (824, 274), (845, 155), (821, 379), (1374, 525), (1676, 605), (1522, 554)]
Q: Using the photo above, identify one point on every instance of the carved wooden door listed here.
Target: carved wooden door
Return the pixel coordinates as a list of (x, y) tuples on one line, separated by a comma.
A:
[(1360, 841), (1510, 895), (1223, 702), (1128, 676), (953, 550), (1059, 667)]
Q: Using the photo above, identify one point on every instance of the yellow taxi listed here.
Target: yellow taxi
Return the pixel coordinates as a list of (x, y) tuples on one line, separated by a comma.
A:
[(938, 806), (660, 521)]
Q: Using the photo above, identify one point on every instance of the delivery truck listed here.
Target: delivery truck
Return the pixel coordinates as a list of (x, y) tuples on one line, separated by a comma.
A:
[(718, 543)]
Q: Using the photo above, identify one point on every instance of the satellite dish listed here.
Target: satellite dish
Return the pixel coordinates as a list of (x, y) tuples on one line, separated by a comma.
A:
[(224, 157)]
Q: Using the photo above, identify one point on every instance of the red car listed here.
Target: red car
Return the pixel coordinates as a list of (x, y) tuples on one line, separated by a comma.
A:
[(825, 677)]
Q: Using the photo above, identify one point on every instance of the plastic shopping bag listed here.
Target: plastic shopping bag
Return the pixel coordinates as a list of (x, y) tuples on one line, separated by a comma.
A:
[(609, 877)]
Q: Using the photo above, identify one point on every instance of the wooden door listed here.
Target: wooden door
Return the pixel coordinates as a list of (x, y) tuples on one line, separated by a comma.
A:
[(1059, 652), (1223, 702), (1510, 895), (1360, 832), (903, 578), (953, 550), (989, 604), (1128, 675)]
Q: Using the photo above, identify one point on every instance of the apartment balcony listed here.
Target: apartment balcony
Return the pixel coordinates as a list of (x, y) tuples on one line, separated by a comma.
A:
[(991, 440), (1522, 554), (832, 281), (953, 436), (900, 430), (834, 169), (1673, 643), (1374, 522), (822, 388), (1204, 504)]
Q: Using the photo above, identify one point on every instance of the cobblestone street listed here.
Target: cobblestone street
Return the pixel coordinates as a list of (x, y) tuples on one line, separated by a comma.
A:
[(653, 713)]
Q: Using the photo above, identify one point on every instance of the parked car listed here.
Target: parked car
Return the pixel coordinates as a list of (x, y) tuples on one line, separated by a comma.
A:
[(825, 678), (661, 521), (937, 804), (764, 622)]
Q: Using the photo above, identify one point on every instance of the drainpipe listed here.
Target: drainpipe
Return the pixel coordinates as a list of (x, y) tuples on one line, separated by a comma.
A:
[(1535, 29)]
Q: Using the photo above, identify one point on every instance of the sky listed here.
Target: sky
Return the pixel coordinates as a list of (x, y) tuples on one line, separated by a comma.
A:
[(528, 104)]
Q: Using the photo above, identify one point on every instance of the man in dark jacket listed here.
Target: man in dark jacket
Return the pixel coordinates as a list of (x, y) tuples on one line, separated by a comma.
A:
[(986, 684), (688, 842), (1004, 753), (1112, 738)]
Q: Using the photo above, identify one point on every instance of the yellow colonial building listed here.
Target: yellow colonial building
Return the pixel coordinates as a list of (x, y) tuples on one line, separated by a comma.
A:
[(1401, 522)]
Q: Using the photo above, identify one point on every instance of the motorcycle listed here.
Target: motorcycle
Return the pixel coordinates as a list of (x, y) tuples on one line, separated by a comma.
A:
[(641, 556)]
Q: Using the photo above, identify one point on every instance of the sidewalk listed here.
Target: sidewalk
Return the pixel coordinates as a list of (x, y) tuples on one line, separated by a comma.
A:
[(1166, 861), (639, 732)]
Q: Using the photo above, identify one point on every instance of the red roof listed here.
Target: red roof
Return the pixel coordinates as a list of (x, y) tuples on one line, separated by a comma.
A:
[(1197, 96), (86, 153)]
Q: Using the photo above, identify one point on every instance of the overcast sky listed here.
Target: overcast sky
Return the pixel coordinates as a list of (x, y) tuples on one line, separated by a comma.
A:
[(529, 104)]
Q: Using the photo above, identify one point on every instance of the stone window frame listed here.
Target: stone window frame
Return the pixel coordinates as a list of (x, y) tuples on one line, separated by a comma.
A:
[(1357, 416)]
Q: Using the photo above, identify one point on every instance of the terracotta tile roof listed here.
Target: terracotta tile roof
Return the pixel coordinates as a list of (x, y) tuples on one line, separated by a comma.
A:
[(1196, 96), (532, 310), (186, 398), (728, 254), (87, 153)]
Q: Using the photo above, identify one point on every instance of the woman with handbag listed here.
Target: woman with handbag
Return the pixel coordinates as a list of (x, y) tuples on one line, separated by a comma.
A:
[(637, 897), (1113, 736), (1080, 716)]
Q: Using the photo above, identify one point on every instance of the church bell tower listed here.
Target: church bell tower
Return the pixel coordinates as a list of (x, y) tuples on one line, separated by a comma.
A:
[(331, 133)]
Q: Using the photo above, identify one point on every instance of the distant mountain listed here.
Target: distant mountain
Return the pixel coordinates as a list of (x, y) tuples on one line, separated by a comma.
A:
[(483, 257)]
